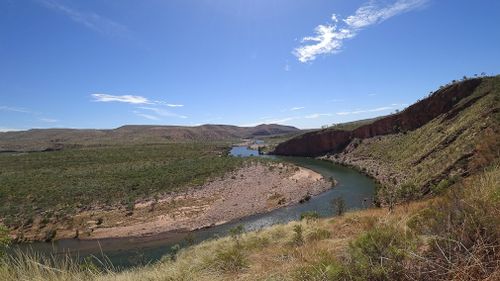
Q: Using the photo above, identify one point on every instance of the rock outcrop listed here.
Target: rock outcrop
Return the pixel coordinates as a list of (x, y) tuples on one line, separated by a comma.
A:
[(333, 141)]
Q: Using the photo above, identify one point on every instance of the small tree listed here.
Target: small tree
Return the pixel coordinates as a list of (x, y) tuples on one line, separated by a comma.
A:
[(298, 236), (190, 239), (338, 206), (236, 231)]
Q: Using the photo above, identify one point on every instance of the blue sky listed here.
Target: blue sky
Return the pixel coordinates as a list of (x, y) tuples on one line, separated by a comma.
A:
[(103, 64)]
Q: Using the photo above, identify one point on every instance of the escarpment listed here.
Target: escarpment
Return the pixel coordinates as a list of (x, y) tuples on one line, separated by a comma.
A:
[(330, 140)]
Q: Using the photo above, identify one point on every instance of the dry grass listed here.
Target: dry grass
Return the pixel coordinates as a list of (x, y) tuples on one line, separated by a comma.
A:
[(453, 237)]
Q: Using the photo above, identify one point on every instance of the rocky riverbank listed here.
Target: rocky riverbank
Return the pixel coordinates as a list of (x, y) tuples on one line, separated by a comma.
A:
[(253, 189)]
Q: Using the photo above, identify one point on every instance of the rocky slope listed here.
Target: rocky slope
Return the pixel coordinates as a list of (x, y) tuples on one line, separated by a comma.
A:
[(428, 145), (413, 117)]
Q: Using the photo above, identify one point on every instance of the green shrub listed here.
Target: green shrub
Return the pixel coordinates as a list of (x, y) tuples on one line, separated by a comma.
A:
[(440, 187), (236, 231), (338, 206), (309, 216), (229, 258), (298, 235), (380, 254), (408, 192), (318, 234), (464, 230), (324, 268)]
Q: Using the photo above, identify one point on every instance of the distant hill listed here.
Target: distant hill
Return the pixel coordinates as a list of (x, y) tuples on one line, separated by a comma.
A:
[(451, 133), (56, 139)]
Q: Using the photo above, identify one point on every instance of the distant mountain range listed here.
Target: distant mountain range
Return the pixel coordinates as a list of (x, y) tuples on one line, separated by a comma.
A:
[(56, 139)]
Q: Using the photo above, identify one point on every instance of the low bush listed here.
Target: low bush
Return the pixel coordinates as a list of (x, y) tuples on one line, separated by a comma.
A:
[(464, 228), (317, 234), (380, 254), (309, 216), (324, 268), (229, 258), (298, 235)]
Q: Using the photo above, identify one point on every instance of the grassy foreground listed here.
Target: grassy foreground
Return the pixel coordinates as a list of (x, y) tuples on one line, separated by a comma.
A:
[(52, 185), (455, 236)]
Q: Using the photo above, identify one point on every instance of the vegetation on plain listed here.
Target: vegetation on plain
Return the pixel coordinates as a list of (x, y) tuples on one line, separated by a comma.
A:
[(54, 185), (455, 236)]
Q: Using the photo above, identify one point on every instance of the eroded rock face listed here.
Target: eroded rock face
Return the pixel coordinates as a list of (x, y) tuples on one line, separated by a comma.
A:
[(333, 141)]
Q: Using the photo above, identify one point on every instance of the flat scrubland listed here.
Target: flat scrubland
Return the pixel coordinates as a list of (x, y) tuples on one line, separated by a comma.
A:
[(455, 236), (48, 187), (256, 187)]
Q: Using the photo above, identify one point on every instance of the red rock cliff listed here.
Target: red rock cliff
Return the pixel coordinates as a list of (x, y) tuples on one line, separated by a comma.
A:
[(331, 140)]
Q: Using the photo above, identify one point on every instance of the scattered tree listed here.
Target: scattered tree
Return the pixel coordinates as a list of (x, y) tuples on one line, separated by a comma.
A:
[(338, 206)]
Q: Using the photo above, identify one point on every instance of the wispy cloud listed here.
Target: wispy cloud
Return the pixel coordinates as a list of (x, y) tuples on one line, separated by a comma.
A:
[(329, 38), (317, 115), (48, 120), (297, 108), (147, 116), (162, 112), (15, 109), (378, 109), (125, 98), (154, 107), (336, 100), (131, 99), (3, 129), (168, 104), (88, 19), (26, 111)]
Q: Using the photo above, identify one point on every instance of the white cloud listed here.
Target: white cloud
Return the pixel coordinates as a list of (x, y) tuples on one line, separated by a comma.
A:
[(147, 116), (15, 109), (125, 98), (330, 38), (3, 130), (372, 13), (168, 104), (287, 67), (131, 99), (297, 108), (90, 20), (327, 40), (48, 120), (317, 115), (378, 109), (281, 121), (153, 106), (162, 112), (336, 100)]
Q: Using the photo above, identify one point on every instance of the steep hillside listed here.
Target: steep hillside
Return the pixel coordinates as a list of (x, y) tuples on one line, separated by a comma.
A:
[(56, 139), (451, 133), (413, 117)]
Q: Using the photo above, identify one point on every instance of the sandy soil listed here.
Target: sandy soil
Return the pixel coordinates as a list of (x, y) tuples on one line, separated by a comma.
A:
[(252, 189)]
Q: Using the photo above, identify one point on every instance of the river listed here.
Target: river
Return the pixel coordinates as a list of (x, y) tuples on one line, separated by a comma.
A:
[(354, 188)]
